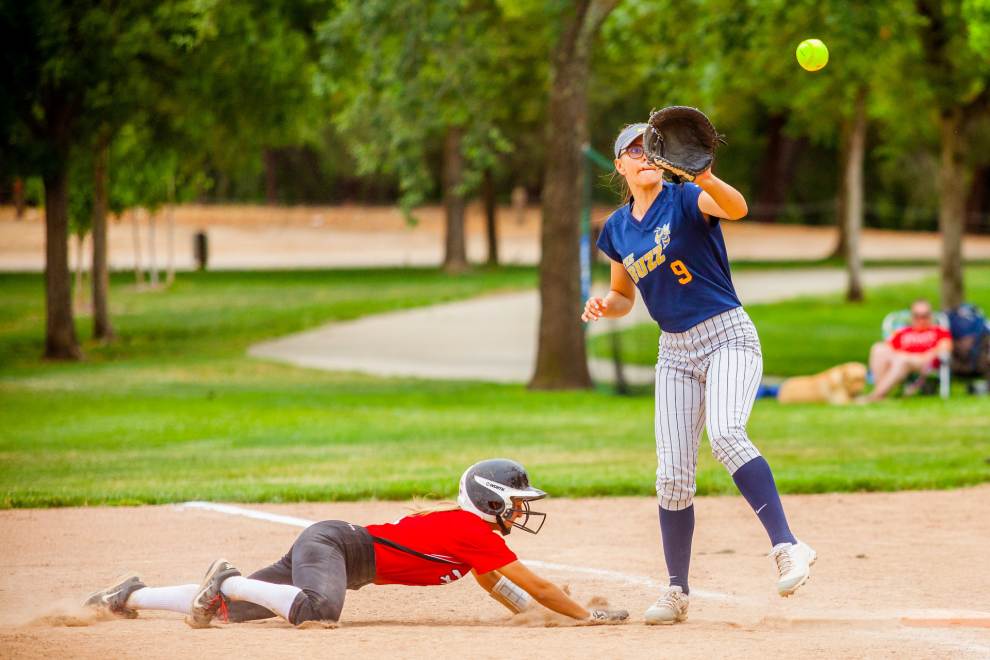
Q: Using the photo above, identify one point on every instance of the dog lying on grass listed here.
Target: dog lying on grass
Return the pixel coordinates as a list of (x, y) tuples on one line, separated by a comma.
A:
[(838, 385)]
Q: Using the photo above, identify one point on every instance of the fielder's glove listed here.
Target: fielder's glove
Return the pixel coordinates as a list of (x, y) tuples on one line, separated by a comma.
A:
[(681, 140), (607, 616)]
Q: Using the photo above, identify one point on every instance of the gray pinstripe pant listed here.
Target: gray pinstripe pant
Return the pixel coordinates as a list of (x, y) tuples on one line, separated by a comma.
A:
[(707, 375)]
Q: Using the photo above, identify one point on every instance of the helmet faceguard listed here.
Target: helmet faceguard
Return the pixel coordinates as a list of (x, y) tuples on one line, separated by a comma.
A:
[(498, 491)]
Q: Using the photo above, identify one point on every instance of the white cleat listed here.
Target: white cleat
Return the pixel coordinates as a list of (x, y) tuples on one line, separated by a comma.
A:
[(794, 562), (671, 607)]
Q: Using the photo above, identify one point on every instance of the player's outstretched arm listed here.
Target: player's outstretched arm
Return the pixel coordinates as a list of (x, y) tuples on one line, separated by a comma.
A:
[(552, 597), (719, 198), (505, 591), (619, 301)]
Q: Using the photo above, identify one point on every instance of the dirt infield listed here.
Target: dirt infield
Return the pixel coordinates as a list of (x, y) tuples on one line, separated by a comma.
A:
[(899, 575)]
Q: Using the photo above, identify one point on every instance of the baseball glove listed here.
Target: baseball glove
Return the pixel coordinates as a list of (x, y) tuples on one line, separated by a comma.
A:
[(681, 140)]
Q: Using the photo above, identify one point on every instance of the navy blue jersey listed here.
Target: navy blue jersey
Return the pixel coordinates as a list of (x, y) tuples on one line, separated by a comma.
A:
[(676, 258)]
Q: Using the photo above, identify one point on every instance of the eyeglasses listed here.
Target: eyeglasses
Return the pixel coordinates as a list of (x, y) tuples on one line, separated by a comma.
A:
[(636, 151)]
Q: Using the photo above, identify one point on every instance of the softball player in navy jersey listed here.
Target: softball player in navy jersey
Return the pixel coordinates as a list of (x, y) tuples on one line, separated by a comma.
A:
[(667, 242)]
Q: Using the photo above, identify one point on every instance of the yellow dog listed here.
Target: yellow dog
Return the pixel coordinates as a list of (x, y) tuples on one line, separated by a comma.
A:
[(836, 385)]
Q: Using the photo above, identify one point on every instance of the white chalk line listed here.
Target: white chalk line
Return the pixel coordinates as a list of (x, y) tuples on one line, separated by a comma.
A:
[(641, 580), (248, 513)]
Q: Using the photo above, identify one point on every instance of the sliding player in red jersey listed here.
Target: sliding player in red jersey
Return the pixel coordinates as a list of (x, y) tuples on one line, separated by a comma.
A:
[(329, 557)]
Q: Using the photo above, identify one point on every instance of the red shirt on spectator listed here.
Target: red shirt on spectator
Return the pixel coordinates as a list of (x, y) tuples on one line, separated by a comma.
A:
[(913, 340), (456, 535)]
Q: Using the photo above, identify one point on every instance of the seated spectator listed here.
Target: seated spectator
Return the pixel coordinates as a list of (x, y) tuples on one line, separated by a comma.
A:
[(913, 349)]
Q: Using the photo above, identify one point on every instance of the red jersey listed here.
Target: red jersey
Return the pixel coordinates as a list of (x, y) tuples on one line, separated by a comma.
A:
[(456, 535), (911, 340)]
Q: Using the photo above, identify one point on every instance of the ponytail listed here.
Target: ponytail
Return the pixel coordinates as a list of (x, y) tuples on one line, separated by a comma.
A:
[(421, 507)]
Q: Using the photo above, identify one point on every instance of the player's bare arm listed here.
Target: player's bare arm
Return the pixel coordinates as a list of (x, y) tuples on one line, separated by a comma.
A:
[(517, 597), (503, 590), (487, 581), (719, 199), (543, 591), (617, 302)]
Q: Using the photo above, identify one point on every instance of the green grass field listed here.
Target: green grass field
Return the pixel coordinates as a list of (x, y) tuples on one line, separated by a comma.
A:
[(807, 335), (175, 411), (211, 315)]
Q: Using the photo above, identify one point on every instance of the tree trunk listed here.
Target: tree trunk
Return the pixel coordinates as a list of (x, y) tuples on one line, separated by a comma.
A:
[(777, 170), (491, 216), (951, 206), (519, 204), (841, 201), (561, 361), (853, 196), (18, 191), (152, 261), (78, 301), (60, 329), (136, 234), (978, 201), (170, 233), (270, 159), (102, 328), (455, 253)]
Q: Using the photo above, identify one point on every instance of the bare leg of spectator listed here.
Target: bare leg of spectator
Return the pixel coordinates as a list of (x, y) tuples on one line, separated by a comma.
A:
[(880, 360), (900, 366)]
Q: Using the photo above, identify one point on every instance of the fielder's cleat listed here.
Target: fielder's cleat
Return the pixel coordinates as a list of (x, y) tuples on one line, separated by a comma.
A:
[(209, 600), (671, 607), (113, 599), (794, 562)]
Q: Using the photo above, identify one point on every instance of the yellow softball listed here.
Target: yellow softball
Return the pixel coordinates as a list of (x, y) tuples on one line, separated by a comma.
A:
[(812, 54)]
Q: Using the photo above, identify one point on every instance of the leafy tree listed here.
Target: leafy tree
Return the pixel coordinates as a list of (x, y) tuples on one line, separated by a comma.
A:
[(152, 168), (957, 69), (249, 90), (413, 79), (60, 59), (140, 69)]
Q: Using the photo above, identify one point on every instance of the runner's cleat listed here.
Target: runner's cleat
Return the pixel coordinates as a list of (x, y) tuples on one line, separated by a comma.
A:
[(113, 599), (209, 600)]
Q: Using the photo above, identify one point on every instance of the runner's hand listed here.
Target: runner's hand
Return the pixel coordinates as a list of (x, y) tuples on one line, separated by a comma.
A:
[(607, 616)]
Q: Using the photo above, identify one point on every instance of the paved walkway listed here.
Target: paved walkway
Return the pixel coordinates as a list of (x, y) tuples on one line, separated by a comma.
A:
[(493, 338)]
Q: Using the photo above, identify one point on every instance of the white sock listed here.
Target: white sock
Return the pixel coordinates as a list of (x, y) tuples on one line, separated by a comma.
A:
[(174, 599), (276, 597)]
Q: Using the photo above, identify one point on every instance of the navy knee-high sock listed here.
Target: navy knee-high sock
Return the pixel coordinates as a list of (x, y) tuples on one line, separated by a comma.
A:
[(676, 531), (755, 482)]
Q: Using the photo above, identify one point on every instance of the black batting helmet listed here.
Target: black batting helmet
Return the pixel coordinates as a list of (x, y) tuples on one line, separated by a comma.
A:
[(496, 489)]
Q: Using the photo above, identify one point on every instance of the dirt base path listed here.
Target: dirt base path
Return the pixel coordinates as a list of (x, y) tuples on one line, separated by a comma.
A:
[(899, 575)]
